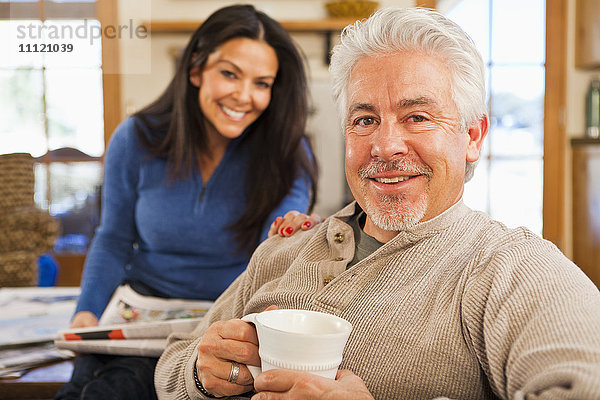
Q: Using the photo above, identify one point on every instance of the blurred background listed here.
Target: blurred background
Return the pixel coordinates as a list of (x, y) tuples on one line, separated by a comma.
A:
[(538, 67)]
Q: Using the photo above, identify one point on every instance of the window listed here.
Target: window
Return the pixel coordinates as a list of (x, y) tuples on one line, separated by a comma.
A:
[(508, 180), (51, 105)]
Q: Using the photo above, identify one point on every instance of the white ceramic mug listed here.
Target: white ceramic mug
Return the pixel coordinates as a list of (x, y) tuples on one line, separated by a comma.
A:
[(301, 340)]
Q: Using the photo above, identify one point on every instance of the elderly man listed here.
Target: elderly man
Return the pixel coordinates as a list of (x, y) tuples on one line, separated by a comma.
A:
[(444, 301)]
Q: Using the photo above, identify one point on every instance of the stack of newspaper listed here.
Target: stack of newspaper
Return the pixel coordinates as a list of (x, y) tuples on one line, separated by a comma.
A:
[(29, 320), (133, 324)]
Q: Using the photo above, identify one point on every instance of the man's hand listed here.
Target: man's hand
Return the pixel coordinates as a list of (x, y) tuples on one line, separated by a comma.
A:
[(224, 342), (83, 319), (281, 384), (293, 221)]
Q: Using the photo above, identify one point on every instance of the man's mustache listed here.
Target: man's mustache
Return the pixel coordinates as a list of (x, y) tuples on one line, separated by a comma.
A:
[(398, 165)]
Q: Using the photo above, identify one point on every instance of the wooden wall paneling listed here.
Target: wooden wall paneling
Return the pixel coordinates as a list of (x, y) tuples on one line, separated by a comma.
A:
[(70, 268), (587, 34), (426, 3), (555, 137), (586, 207)]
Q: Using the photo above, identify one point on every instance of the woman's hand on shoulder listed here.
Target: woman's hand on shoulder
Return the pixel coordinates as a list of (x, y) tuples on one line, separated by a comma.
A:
[(292, 222), (84, 319)]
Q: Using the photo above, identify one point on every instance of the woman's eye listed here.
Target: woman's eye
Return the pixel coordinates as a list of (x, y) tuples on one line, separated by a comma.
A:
[(364, 121), (228, 74), (418, 118), (263, 85)]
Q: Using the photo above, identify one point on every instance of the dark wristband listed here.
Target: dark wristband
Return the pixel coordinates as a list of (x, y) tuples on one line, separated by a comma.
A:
[(199, 385)]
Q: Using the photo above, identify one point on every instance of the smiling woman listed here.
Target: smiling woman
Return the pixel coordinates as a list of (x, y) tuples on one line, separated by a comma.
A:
[(234, 90), (193, 181)]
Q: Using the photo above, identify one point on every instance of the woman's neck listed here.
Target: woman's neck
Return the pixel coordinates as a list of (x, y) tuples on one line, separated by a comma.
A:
[(217, 145)]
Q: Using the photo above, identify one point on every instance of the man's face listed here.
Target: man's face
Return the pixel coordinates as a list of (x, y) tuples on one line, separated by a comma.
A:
[(405, 152)]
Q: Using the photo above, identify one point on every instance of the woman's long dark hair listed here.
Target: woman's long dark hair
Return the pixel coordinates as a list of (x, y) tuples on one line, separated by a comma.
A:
[(278, 144)]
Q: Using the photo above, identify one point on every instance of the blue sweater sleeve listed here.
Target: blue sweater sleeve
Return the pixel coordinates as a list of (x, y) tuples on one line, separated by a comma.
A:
[(297, 199), (112, 245)]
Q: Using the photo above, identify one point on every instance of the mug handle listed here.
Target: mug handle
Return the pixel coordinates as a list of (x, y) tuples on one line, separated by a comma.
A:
[(254, 370)]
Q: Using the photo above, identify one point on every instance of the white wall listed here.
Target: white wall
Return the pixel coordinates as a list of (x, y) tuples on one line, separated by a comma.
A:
[(323, 127)]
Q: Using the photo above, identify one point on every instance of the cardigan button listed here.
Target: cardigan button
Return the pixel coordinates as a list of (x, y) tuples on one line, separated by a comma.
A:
[(339, 237), (338, 259), (328, 279)]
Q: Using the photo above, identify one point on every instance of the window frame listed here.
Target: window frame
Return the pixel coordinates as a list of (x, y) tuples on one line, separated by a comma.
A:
[(107, 13), (555, 206), (555, 134)]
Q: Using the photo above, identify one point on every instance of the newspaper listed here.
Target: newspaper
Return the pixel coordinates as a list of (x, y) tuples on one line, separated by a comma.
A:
[(29, 320), (137, 330), (129, 347), (127, 306), (15, 361), (133, 324), (34, 314)]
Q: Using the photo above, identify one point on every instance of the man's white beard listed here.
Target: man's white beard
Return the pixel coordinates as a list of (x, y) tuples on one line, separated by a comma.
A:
[(392, 213)]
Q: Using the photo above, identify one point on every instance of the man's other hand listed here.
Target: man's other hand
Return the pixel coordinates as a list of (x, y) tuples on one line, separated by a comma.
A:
[(281, 384)]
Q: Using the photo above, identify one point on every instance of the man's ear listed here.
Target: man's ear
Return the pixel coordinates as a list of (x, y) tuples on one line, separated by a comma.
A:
[(195, 76), (477, 132)]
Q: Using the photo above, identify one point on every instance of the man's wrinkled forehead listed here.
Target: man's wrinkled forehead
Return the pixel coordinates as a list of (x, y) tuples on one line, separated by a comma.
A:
[(398, 81), (400, 104)]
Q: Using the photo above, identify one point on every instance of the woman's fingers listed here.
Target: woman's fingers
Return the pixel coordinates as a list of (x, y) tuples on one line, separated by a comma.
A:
[(292, 222), (311, 221), (275, 226)]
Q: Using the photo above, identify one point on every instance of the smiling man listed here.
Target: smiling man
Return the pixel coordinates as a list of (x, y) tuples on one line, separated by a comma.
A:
[(444, 301), (406, 148)]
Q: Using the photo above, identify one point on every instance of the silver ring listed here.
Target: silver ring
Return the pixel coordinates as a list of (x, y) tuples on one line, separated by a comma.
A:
[(235, 372)]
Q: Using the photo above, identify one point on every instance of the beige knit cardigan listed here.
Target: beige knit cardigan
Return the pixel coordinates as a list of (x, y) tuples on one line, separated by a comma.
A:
[(459, 307)]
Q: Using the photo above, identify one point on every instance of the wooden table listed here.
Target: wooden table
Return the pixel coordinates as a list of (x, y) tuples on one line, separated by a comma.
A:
[(39, 383)]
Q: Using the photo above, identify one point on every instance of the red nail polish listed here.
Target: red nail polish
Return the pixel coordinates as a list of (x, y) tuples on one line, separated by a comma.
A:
[(281, 231), (307, 224), (277, 220), (289, 230)]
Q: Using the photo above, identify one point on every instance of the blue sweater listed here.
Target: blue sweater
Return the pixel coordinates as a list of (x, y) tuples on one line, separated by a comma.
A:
[(170, 236)]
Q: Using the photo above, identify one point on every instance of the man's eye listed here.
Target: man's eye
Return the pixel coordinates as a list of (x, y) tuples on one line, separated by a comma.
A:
[(228, 74), (364, 121), (418, 118)]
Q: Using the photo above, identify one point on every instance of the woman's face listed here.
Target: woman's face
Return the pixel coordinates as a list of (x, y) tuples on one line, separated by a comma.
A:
[(235, 85)]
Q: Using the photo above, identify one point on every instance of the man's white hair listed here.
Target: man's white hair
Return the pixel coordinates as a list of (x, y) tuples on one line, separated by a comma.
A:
[(391, 30)]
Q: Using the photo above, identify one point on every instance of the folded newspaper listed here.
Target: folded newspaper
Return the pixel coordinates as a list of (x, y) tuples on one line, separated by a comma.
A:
[(130, 347), (133, 324), (15, 361)]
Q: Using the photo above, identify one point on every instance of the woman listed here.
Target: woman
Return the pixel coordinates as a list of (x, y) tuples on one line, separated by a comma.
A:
[(193, 181)]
